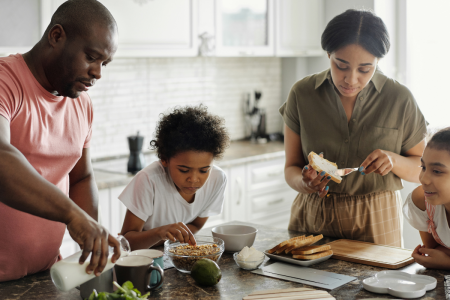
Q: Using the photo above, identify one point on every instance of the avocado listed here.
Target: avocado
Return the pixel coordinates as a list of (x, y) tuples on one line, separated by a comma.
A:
[(206, 272)]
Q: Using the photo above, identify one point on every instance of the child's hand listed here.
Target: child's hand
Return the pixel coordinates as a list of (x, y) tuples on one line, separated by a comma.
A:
[(177, 231), (436, 259)]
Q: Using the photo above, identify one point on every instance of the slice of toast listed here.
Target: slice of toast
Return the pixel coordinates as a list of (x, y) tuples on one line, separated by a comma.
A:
[(313, 256), (306, 242), (311, 249), (321, 164), (283, 243)]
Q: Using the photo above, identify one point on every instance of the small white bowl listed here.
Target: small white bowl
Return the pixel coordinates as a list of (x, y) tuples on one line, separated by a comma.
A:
[(248, 265), (236, 237)]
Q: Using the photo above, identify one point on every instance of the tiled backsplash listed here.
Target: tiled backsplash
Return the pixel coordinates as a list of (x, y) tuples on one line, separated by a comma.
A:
[(134, 91)]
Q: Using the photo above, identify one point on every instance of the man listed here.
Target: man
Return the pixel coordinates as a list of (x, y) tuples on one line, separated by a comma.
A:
[(46, 177)]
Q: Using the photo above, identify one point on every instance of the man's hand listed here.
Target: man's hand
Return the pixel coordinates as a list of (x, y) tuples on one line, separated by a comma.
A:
[(379, 161), (436, 259), (92, 237), (177, 231)]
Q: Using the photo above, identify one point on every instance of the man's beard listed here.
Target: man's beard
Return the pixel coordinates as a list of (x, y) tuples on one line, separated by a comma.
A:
[(69, 91)]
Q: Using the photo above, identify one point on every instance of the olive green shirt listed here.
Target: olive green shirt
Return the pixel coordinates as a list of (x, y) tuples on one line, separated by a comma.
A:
[(385, 116)]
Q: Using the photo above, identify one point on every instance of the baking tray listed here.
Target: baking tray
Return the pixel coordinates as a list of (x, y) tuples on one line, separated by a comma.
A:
[(288, 259)]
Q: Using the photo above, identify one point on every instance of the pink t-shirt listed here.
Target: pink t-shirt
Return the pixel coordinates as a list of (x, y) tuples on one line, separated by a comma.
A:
[(51, 132)]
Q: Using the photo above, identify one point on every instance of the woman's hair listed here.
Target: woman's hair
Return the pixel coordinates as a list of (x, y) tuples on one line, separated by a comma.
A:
[(440, 140), (360, 27), (190, 129)]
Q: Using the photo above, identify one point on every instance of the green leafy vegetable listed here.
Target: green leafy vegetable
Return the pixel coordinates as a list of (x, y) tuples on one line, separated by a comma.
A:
[(124, 292)]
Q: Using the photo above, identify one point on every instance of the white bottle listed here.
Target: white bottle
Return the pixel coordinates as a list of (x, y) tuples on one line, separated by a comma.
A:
[(68, 273)]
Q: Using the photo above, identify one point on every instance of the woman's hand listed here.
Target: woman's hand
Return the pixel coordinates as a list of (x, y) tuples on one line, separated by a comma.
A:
[(379, 161), (177, 231), (436, 258), (313, 182)]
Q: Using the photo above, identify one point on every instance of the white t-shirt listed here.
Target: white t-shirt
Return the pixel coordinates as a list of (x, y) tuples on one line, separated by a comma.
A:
[(418, 219), (153, 197)]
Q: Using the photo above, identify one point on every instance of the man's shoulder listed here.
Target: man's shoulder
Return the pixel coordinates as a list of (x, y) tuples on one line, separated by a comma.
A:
[(9, 69)]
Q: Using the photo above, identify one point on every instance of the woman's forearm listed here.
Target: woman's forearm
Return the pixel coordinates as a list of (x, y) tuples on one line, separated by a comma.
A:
[(406, 167), (293, 176)]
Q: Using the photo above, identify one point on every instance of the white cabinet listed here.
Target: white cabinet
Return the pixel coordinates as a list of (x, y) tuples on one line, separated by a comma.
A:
[(299, 27), (244, 28), (257, 193), (111, 213), (149, 28), (20, 26)]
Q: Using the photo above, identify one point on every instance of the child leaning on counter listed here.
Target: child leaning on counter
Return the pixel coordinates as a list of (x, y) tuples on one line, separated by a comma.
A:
[(172, 198), (427, 208)]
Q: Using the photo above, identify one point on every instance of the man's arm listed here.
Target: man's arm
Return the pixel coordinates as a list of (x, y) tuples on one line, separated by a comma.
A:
[(83, 190), (24, 189)]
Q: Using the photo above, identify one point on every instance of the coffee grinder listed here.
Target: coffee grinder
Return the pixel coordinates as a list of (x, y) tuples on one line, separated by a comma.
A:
[(136, 161)]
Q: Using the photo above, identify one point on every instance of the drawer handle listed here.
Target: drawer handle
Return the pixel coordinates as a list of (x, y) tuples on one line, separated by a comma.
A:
[(273, 174), (240, 188), (275, 201)]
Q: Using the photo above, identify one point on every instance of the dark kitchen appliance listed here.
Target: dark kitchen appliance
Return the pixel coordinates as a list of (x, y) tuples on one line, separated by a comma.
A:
[(136, 161)]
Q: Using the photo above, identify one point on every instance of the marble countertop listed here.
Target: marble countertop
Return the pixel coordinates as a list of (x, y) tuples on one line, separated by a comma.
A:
[(113, 172), (235, 283)]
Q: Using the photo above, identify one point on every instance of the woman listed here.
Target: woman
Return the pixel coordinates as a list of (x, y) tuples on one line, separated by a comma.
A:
[(357, 117)]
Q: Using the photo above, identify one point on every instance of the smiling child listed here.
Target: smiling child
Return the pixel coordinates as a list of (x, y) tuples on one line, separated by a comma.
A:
[(427, 208), (172, 198)]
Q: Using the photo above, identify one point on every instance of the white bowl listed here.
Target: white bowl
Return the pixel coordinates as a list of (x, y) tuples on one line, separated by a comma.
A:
[(247, 264), (236, 237)]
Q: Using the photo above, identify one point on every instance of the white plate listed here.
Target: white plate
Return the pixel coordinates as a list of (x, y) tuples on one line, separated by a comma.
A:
[(300, 262), (399, 284)]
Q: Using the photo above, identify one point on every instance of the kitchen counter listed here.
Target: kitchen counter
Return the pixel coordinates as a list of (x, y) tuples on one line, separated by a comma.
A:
[(235, 283), (112, 172)]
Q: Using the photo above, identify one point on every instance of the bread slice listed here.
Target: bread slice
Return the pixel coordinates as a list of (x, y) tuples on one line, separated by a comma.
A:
[(306, 242), (313, 256), (321, 164), (283, 243), (311, 249)]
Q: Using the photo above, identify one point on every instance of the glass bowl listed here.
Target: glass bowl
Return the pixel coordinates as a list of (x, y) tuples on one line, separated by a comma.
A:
[(184, 259), (248, 265)]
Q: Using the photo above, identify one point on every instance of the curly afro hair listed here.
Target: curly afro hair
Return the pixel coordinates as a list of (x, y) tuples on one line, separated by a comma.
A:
[(190, 129)]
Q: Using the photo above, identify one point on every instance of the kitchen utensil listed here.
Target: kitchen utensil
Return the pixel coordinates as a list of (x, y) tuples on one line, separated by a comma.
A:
[(345, 172), (304, 275), (246, 264), (136, 160), (138, 269), (185, 262), (371, 254), (158, 258), (236, 237), (294, 293), (399, 284), (289, 259)]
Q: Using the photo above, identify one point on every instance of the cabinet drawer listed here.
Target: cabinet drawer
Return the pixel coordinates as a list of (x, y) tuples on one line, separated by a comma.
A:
[(267, 204), (269, 173)]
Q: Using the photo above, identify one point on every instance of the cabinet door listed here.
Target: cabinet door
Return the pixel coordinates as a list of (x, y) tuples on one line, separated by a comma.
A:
[(244, 28), (150, 28), (118, 210), (20, 26), (299, 27), (272, 207), (266, 175), (238, 193), (225, 215)]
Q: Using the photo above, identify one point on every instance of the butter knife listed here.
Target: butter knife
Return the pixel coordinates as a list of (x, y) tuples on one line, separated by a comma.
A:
[(345, 172)]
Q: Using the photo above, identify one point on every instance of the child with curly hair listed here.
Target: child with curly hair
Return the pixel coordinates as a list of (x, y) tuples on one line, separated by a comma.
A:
[(427, 208), (172, 198)]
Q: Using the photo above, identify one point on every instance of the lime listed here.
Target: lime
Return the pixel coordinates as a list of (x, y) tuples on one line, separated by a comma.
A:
[(206, 272)]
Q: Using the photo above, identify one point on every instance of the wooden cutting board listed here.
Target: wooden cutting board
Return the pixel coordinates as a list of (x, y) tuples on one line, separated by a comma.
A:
[(371, 254), (290, 294)]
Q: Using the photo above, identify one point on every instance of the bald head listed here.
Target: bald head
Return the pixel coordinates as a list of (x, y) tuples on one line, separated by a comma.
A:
[(78, 17)]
